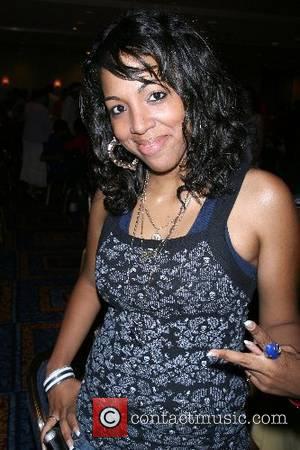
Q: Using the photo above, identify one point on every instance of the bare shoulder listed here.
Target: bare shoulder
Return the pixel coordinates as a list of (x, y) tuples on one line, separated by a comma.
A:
[(97, 204), (267, 191), (268, 188), (268, 199)]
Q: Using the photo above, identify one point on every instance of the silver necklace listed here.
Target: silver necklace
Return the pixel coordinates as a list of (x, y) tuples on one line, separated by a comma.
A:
[(154, 253), (173, 223), (157, 235)]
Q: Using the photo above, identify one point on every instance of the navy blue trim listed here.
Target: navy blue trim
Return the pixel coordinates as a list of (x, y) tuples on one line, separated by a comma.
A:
[(204, 216), (201, 222), (124, 221), (248, 268), (217, 239)]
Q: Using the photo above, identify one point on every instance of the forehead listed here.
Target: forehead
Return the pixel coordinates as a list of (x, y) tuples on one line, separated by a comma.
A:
[(112, 85), (143, 66), (131, 61), (110, 80)]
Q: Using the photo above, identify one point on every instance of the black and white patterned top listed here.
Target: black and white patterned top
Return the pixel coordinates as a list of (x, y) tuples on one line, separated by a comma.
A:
[(152, 347)]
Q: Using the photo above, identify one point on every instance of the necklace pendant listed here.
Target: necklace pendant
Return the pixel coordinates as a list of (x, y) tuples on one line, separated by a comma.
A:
[(156, 237)]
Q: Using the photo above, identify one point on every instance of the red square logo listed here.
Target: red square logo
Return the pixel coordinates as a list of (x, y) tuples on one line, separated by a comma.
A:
[(110, 417)]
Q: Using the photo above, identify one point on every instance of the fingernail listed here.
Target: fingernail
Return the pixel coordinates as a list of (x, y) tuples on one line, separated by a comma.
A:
[(77, 432), (249, 324), (70, 445), (212, 354), (248, 343)]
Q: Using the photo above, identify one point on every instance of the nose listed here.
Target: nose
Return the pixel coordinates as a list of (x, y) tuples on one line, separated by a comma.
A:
[(141, 120)]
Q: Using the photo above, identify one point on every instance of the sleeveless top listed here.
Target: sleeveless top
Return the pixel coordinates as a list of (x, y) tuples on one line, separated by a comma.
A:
[(152, 347)]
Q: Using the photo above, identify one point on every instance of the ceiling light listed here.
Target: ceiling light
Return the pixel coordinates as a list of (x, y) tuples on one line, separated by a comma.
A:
[(57, 83), (5, 81)]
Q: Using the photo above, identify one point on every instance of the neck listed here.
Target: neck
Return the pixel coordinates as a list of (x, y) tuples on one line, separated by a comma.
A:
[(162, 186)]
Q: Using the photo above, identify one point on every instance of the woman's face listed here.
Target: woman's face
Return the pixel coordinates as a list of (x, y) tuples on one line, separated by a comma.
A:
[(147, 119)]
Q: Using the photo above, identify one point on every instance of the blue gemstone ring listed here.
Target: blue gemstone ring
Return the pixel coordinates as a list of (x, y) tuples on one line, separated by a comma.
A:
[(272, 350)]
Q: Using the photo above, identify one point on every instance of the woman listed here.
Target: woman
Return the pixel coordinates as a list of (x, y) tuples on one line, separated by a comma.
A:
[(180, 233)]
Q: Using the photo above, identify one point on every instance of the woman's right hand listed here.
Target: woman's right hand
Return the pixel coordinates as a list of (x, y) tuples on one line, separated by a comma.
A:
[(62, 406)]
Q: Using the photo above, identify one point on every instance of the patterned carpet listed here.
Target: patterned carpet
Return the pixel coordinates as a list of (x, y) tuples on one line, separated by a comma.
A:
[(39, 260)]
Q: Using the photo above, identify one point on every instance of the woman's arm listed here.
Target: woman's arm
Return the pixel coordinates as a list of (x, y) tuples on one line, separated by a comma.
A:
[(80, 314), (83, 306), (274, 218), (278, 261)]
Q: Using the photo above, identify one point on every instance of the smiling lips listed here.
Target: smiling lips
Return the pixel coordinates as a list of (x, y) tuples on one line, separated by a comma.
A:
[(150, 147)]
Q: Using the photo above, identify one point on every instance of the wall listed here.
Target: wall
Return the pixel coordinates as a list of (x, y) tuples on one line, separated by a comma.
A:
[(33, 69)]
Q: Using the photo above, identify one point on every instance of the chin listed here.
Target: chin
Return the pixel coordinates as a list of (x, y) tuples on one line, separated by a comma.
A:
[(165, 165), (164, 169)]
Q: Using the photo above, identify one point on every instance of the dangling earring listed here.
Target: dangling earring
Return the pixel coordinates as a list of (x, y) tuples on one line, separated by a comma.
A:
[(124, 165)]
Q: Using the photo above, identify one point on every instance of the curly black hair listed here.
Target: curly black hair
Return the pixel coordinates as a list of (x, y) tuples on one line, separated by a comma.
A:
[(214, 127)]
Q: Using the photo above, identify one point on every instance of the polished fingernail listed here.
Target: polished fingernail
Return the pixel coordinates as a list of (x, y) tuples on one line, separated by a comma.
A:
[(212, 353), (249, 324), (212, 357), (248, 343), (77, 432), (70, 445)]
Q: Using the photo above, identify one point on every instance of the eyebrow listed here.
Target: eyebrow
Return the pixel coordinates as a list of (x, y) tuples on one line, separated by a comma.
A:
[(111, 97), (140, 89)]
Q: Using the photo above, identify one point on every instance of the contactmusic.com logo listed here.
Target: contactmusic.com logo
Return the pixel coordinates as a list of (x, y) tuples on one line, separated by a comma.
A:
[(110, 417)]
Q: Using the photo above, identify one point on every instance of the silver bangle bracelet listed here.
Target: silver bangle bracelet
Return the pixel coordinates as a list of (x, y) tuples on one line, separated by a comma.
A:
[(59, 380), (57, 372)]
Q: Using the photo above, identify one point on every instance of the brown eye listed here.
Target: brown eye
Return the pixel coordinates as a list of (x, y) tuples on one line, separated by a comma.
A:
[(117, 110), (157, 96)]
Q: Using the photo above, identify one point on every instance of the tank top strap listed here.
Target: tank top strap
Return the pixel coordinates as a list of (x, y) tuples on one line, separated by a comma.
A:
[(212, 216), (225, 203)]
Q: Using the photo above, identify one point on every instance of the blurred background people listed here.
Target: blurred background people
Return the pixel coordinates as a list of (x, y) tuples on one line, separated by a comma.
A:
[(37, 128)]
